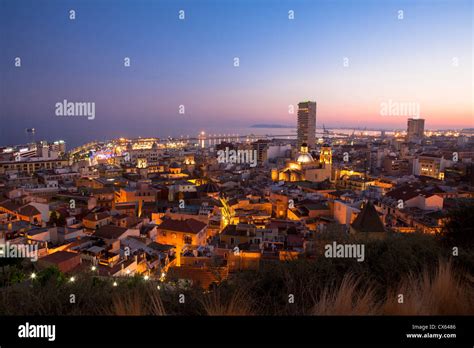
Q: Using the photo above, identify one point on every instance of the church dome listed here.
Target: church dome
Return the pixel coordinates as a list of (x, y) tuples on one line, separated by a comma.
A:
[(304, 156), (175, 165), (210, 187)]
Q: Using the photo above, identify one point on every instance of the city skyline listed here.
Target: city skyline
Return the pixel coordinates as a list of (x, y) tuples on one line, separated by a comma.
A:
[(349, 66)]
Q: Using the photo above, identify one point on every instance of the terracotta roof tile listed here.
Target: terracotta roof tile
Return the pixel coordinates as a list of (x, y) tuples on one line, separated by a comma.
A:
[(187, 226)]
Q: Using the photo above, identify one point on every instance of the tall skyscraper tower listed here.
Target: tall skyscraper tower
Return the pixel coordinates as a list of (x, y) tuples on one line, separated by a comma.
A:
[(415, 130), (306, 127)]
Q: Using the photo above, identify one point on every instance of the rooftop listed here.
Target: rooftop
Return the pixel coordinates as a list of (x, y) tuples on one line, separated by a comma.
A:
[(110, 232), (368, 220), (186, 226)]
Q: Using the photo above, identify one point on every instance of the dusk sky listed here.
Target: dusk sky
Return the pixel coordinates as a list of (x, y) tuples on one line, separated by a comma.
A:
[(190, 62)]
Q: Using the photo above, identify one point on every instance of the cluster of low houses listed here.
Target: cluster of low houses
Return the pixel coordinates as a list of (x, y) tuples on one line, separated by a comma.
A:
[(179, 226)]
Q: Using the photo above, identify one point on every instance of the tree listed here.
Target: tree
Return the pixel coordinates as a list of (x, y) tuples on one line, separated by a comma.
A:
[(51, 274), (459, 228)]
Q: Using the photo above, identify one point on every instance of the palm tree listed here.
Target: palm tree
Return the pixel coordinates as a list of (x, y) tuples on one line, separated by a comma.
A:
[(227, 213)]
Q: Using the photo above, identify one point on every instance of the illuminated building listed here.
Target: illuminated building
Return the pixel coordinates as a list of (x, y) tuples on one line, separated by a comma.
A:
[(304, 156), (395, 166), (280, 204), (175, 168), (189, 159), (415, 130), (174, 172), (181, 233), (31, 166), (430, 165), (141, 163), (143, 192), (58, 146), (96, 220), (325, 155), (148, 150), (305, 167), (260, 146), (355, 182), (306, 125)]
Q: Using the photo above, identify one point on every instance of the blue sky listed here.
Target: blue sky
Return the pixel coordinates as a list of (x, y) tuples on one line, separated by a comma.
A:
[(190, 62)]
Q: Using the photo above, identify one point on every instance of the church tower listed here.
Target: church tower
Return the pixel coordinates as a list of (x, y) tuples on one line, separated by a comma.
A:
[(325, 155)]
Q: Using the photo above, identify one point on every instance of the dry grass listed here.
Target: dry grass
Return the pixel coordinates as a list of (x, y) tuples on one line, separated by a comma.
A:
[(136, 303), (142, 301), (349, 299), (128, 305), (239, 303), (443, 293)]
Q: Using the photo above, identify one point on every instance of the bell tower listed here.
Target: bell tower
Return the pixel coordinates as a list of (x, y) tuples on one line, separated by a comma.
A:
[(325, 155)]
